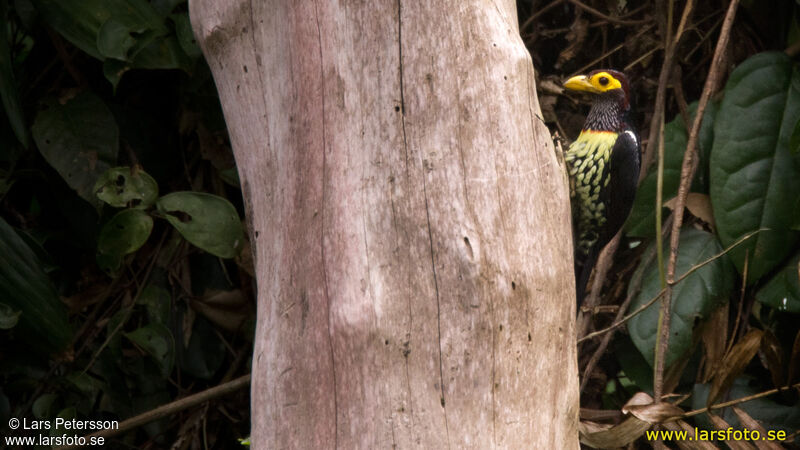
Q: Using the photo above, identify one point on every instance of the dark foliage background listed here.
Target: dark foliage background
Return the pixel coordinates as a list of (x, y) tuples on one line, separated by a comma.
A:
[(125, 276)]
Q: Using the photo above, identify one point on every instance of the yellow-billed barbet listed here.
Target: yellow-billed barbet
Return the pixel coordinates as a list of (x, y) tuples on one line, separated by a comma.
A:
[(603, 166)]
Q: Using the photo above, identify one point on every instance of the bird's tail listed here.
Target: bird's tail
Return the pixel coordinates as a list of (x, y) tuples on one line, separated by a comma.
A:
[(583, 269)]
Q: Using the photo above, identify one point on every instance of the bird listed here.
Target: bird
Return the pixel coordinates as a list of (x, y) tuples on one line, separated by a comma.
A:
[(603, 165)]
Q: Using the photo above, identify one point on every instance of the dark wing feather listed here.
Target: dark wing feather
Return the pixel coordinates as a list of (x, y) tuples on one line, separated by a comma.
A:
[(624, 177)]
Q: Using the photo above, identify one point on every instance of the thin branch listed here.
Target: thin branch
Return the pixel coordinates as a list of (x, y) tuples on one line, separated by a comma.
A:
[(616, 49), (173, 407), (687, 174), (661, 92), (611, 19), (533, 17), (738, 400), (604, 263)]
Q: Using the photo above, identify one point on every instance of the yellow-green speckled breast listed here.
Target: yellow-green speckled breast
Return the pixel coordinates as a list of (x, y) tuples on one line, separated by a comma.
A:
[(587, 162)]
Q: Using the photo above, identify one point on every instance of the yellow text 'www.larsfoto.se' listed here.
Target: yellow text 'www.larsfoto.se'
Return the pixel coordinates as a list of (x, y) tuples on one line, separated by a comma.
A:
[(729, 434)]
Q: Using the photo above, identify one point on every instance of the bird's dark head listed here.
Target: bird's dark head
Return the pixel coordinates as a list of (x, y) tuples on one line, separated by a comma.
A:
[(613, 97)]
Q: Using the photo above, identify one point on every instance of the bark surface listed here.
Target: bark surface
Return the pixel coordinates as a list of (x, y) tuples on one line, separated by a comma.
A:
[(410, 223)]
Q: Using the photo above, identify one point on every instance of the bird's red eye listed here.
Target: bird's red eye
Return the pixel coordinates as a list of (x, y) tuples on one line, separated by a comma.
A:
[(603, 81)]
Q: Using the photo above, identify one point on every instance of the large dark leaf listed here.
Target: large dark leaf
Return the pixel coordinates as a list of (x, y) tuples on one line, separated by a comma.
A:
[(80, 139), (643, 217), (25, 288), (80, 21), (693, 298), (754, 178), (124, 34), (8, 88)]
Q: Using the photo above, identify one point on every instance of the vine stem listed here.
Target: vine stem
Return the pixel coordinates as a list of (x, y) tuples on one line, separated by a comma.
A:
[(688, 169)]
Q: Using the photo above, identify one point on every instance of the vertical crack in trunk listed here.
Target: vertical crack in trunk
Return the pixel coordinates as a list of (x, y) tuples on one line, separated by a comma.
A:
[(322, 234), (394, 218), (427, 214)]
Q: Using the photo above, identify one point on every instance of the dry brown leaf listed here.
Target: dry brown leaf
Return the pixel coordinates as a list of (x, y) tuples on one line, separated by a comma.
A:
[(697, 204), (794, 361), (734, 363), (642, 407), (654, 412), (714, 339), (752, 424), (771, 355), (617, 436), (680, 425), (721, 424), (638, 399), (228, 309)]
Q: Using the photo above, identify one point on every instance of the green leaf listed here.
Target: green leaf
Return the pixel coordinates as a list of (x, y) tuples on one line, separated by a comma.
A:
[(754, 178), (692, 299), (132, 33), (165, 7), (642, 221), (158, 302), (43, 405), (163, 54), (79, 139), (80, 21), (123, 186), (205, 220), (794, 140), (8, 87), (782, 292), (114, 39), (8, 317), (183, 30), (125, 233), (77, 20), (157, 341), (25, 287), (113, 70)]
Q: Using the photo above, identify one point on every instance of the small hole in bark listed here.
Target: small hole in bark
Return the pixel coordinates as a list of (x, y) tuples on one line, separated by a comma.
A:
[(386, 342), (245, 69), (529, 337), (396, 109), (501, 328), (256, 233), (513, 286), (442, 400), (469, 247)]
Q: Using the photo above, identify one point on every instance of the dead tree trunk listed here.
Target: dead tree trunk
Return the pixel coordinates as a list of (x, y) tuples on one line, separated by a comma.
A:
[(410, 222)]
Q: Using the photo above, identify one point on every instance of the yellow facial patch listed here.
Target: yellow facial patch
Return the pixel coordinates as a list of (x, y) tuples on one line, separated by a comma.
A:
[(597, 83)]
